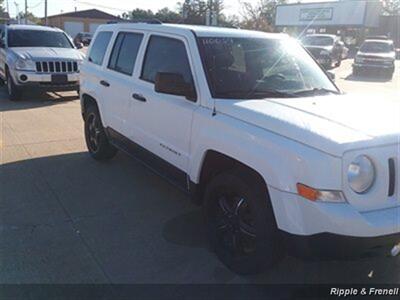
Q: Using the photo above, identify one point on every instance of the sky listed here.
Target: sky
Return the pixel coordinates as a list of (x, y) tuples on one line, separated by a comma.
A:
[(115, 7)]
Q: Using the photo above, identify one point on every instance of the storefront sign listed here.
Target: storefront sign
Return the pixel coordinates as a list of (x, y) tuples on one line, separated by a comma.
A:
[(312, 14)]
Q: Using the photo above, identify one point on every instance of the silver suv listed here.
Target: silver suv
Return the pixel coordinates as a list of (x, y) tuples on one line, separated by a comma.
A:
[(38, 57)]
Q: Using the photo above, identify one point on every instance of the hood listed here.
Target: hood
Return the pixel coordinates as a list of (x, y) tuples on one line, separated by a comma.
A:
[(43, 53), (333, 124), (377, 55)]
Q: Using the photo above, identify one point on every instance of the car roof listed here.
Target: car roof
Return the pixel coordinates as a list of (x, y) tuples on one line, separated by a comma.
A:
[(322, 35), (33, 27), (379, 41), (201, 31)]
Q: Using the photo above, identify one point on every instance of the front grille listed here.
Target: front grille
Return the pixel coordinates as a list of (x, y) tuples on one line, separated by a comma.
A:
[(57, 67)]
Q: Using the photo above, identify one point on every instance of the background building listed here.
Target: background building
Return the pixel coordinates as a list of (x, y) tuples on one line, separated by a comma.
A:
[(80, 21), (353, 20)]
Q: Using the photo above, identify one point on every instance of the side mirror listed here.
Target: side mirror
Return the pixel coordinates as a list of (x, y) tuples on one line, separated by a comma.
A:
[(331, 75), (78, 45), (174, 84), (2, 44)]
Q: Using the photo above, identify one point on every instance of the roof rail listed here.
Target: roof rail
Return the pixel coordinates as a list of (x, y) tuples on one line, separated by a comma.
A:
[(145, 21)]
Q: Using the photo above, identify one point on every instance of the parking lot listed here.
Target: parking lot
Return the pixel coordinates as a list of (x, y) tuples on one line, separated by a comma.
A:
[(66, 218)]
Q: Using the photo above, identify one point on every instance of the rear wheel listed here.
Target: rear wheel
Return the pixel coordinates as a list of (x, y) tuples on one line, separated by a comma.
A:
[(240, 222), (14, 92), (96, 139)]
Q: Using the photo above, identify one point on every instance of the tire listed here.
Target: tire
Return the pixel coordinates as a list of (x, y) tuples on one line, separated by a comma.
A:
[(14, 93), (238, 211), (96, 139)]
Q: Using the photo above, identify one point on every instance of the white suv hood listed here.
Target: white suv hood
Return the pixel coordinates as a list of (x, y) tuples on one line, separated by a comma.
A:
[(38, 53), (333, 124)]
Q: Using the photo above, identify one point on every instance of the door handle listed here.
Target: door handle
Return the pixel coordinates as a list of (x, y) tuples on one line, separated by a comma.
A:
[(139, 97), (104, 83)]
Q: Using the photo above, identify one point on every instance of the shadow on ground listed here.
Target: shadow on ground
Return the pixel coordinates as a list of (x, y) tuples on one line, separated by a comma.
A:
[(34, 100), (69, 219)]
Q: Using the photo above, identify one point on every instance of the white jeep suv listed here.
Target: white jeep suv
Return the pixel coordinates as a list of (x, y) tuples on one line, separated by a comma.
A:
[(38, 58), (251, 127)]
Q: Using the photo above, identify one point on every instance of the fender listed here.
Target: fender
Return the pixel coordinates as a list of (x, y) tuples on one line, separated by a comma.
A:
[(280, 161)]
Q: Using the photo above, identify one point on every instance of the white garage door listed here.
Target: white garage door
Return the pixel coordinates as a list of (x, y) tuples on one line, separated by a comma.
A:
[(93, 27), (73, 28)]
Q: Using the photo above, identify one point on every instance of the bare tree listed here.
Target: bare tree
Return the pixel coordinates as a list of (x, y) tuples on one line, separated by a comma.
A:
[(260, 16), (391, 7)]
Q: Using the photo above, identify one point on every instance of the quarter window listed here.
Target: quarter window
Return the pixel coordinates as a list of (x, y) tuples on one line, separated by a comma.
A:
[(99, 47), (125, 51), (166, 55)]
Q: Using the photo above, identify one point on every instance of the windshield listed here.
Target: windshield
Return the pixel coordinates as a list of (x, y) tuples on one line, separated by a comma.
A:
[(249, 68), (38, 38), (317, 41), (376, 47)]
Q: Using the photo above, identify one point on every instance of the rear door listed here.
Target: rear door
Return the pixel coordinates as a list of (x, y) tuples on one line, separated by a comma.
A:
[(118, 85), (93, 74)]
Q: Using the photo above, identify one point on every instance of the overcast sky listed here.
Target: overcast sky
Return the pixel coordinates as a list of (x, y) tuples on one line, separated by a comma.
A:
[(112, 6)]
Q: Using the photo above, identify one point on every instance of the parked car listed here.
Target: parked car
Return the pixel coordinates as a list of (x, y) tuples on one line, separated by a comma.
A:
[(375, 55), (83, 38), (39, 58), (254, 130), (327, 49)]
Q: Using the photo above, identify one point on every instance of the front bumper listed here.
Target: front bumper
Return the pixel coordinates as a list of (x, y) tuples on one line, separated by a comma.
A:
[(377, 67), (39, 81), (299, 216), (333, 228)]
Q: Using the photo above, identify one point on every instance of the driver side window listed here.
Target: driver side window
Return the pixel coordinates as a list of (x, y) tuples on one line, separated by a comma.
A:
[(167, 55)]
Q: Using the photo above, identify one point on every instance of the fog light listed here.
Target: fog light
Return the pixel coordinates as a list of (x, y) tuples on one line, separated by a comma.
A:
[(23, 77)]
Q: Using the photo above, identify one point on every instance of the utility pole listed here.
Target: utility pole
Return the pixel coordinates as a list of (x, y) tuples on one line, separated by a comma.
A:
[(45, 13), (26, 11), (17, 8)]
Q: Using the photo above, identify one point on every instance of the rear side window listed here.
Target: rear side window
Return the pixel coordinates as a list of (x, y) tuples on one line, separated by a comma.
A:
[(125, 51), (166, 55), (99, 47)]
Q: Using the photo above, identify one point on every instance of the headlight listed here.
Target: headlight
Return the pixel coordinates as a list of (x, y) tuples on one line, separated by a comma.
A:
[(361, 174), (25, 65), (324, 52)]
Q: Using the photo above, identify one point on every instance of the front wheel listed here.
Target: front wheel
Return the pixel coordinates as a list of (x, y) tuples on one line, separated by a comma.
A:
[(240, 222), (14, 93), (96, 139)]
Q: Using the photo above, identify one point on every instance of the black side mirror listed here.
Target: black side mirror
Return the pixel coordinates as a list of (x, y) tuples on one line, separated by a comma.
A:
[(174, 84), (78, 45)]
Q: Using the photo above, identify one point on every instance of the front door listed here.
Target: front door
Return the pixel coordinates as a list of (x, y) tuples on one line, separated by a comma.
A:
[(162, 123)]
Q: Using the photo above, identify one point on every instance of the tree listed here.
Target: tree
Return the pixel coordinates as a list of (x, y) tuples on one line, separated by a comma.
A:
[(138, 14), (196, 11), (260, 16), (166, 15), (391, 7), (2, 6), (30, 17)]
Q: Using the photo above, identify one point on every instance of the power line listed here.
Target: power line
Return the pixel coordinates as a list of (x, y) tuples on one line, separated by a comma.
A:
[(101, 6)]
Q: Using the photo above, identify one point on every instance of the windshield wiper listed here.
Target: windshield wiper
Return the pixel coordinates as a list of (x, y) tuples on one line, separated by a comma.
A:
[(316, 91), (257, 94), (270, 93)]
